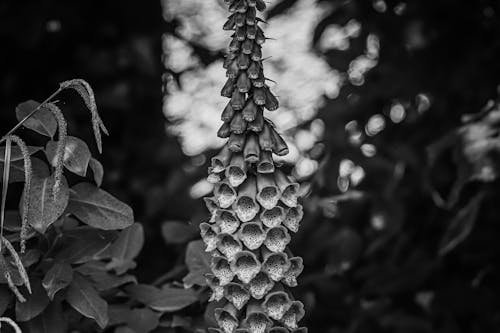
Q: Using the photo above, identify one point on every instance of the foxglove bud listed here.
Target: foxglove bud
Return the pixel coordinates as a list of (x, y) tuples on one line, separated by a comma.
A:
[(244, 84), (251, 152), (236, 142), (266, 164), (243, 61), (229, 25), (253, 70), (247, 47), (271, 100), (259, 82), (266, 138), (239, 19), (251, 31), (224, 131), (257, 124), (259, 36), (250, 111), (240, 34), (234, 45), (237, 100), (227, 90), (256, 53), (260, 5), (251, 16), (233, 69), (221, 160), (238, 125), (279, 147)]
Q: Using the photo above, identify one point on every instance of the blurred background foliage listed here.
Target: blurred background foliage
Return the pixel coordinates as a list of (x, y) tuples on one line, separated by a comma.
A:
[(387, 107)]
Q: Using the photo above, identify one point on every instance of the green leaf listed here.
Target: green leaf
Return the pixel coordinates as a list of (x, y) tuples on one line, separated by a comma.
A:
[(98, 208), (42, 121), (38, 167), (83, 297), (177, 232), (143, 320), (198, 263), (123, 251), (57, 277), (52, 320), (167, 299), (83, 244), (16, 154), (76, 155), (97, 170), (44, 210), (35, 303), (138, 320)]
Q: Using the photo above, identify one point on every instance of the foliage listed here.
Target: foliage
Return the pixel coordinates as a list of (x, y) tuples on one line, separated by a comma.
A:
[(72, 270), (373, 252)]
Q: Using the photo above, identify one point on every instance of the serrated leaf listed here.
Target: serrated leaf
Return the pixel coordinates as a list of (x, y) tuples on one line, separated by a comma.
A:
[(83, 297), (177, 232), (167, 299), (128, 245), (198, 262), (16, 154), (52, 320), (76, 155), (97, 170), (98, 208), (35, 303), (42, 121), (44, 208), (461, 225), (57, 277)]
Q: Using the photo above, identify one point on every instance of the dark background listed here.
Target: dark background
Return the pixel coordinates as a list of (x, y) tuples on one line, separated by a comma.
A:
[(358, 277)]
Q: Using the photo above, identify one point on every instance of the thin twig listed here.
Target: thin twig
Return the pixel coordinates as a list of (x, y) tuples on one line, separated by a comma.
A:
[(19, 124)]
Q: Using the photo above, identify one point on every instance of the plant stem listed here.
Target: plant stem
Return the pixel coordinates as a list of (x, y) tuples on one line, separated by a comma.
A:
[(19, 124)]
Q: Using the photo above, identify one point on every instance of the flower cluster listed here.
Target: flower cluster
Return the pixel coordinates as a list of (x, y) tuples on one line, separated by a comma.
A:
[(255, 204)]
